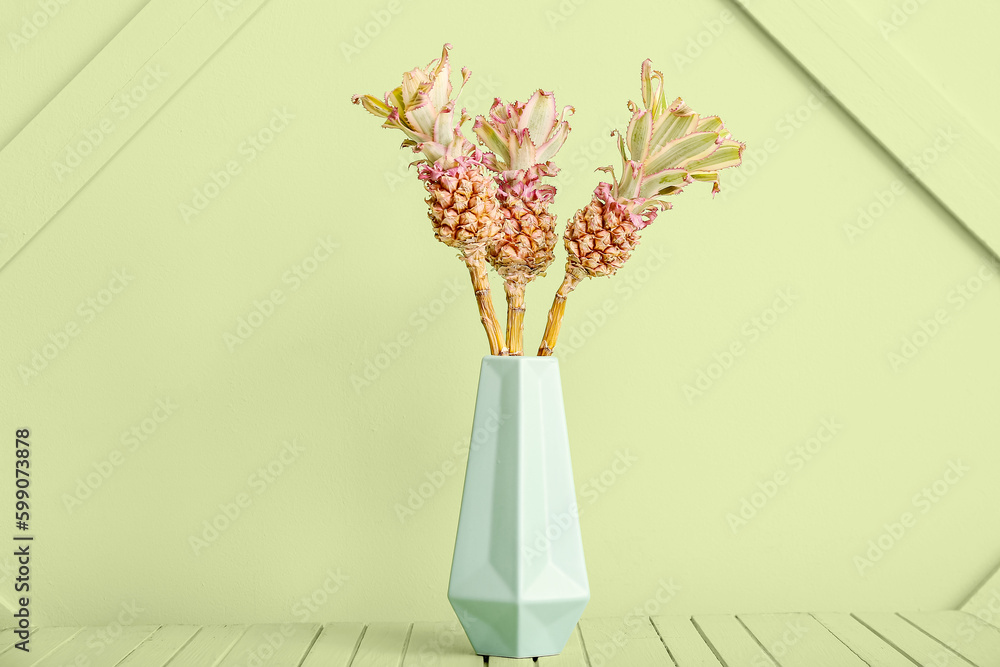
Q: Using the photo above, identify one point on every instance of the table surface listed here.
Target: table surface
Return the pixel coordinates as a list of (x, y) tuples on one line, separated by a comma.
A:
[(938, 639)]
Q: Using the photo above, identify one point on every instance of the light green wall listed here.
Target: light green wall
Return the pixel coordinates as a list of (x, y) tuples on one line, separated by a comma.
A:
[(330, 173)]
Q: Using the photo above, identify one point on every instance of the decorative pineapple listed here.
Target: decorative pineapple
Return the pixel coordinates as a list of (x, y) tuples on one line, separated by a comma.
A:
[(462, 200), (668, 147), (504, 219), (523, 136)]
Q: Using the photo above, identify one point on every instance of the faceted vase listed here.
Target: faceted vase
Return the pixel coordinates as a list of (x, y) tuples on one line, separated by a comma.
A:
[(518, 579)]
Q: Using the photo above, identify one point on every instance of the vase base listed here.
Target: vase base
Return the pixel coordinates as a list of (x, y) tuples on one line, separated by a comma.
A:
[(533, 658)]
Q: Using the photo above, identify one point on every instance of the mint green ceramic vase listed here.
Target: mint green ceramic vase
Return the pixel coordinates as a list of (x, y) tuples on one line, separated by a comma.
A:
[(518, 579)]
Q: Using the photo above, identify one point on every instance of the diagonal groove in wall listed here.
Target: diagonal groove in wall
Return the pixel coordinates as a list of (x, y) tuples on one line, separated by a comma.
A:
[(159, 51), (959, 183)]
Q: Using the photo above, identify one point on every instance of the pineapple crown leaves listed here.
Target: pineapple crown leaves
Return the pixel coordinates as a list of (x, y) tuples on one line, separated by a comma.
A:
[(523, 134), (667, 147), (423, 109)]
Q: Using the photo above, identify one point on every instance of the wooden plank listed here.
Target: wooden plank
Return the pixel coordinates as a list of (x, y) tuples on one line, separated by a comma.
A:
[(336, 645), (43, 641), (985, 600), (866, 644), (273, 644), (382, 645), (799, 640), (731, 641), (684, 643), (890, 99), (623, 645), (573, 655), (441, 645), (209, 646), (160, 647), (96, 647), (965, 634), (910, 641)]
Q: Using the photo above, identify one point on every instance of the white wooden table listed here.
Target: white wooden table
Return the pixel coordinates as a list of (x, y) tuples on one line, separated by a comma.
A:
[(938, 639)]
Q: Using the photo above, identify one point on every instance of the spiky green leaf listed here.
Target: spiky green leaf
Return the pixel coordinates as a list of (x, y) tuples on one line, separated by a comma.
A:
[(728, 154), (647, 83), (669, 127), (655, 184), (679, 152), (548, 150), (637, 135), (488, 134), (710, 124), (538, 116)]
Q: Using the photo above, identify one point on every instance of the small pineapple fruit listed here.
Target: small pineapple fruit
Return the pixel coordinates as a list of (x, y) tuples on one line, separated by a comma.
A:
[(523, 137), (462, 200), (668, 147)]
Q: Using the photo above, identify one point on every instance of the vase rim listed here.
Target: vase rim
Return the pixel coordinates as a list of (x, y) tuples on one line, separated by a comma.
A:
[(521, 359)]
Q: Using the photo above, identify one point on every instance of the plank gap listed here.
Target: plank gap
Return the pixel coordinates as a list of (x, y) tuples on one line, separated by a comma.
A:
[(236, 640), (357, 645), (583, 644), (319, 631), (136, 647), (709, 643), (663, 641), (406, 645), (767, 653), (944, 645), (886, 639)]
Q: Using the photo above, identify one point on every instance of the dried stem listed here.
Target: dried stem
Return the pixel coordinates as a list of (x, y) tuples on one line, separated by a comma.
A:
[(572, 279), (475, 259), (514, 287)]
